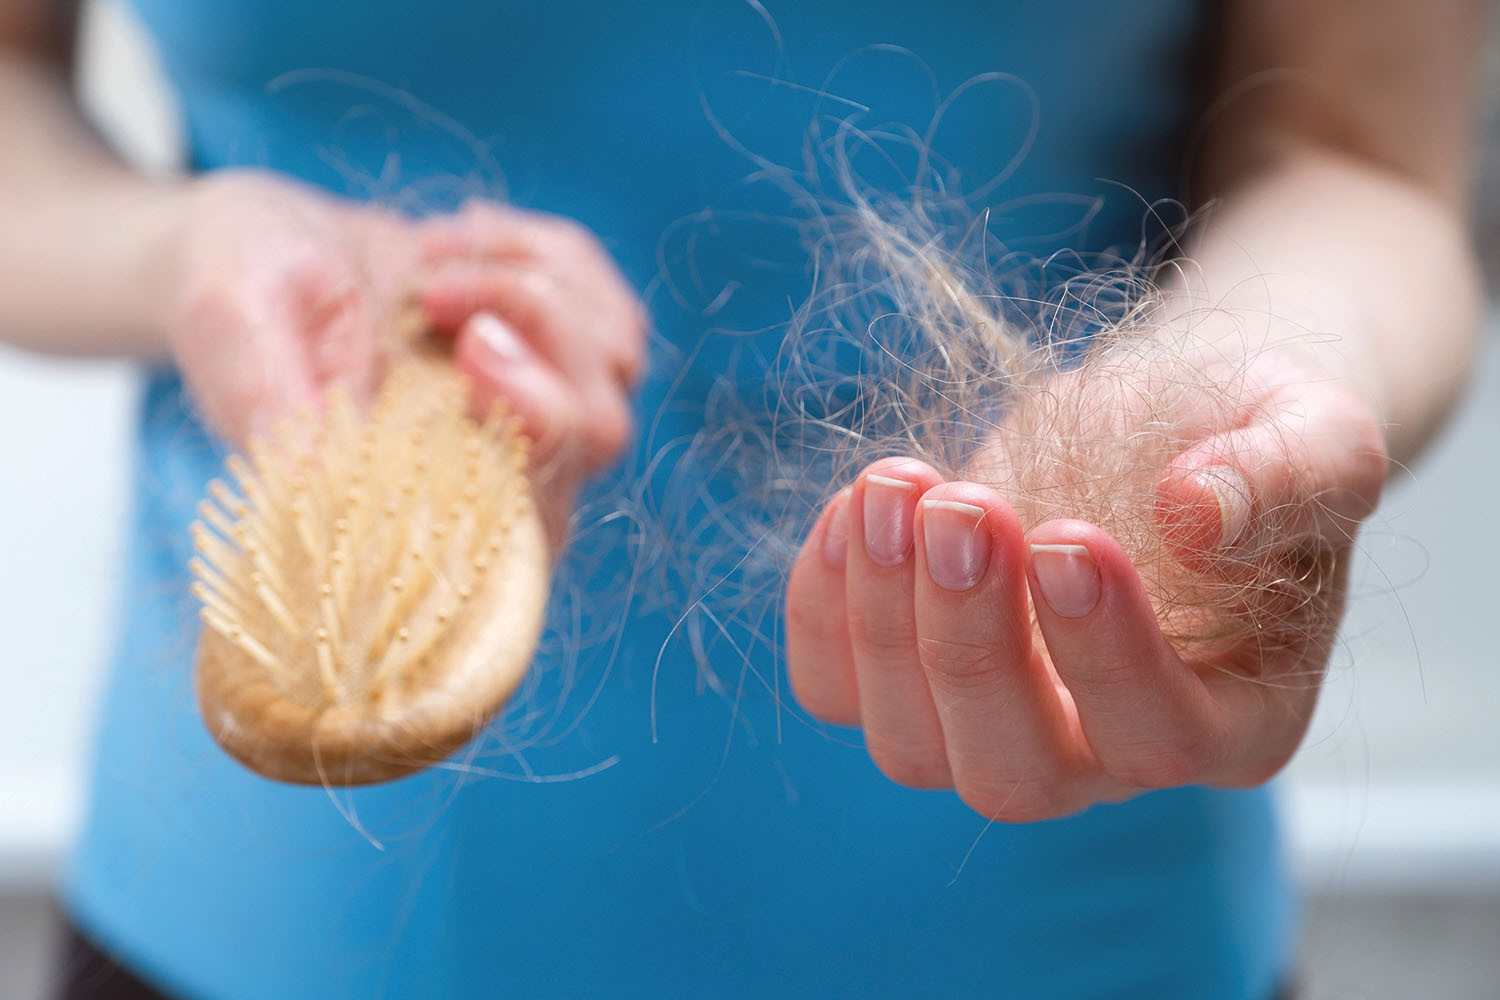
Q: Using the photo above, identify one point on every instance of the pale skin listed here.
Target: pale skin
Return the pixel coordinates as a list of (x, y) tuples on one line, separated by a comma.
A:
[(1342, 187), (265, 291)]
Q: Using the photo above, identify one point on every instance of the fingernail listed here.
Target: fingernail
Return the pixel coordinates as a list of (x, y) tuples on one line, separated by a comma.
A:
[(1069, 578), (836, 535), (1233, 494), (500, 341), (956, 542), (888, 512)]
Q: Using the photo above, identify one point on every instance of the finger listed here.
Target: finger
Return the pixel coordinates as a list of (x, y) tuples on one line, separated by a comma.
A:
[(537, 327), (591, 346), (820, 664), (1308, 467), (530, 301), (502, 366), (486, 229), (902, 730), (489, 237), (1013, 751), (1150, 719)]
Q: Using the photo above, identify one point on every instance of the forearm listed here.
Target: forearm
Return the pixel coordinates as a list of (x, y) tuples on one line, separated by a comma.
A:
[(1335, 160), (1357, 269), (84, 240)]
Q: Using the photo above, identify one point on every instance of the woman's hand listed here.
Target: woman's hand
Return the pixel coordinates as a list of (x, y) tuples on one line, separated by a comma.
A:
[(542, 318), (281, 291), (1028, 670)]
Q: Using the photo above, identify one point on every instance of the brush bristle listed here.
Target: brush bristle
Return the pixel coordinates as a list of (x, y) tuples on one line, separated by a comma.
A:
[(343, 566)]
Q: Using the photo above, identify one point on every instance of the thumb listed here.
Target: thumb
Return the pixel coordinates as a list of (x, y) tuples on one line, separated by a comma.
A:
[(1309, 465), (501, 366)]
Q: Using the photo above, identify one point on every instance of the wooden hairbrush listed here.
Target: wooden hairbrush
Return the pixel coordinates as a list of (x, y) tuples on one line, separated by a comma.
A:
[(374, 589)]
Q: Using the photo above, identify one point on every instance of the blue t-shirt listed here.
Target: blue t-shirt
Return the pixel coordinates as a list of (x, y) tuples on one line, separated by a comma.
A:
[(649, 818)]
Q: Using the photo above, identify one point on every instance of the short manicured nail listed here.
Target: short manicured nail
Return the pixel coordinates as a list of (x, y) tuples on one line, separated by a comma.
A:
[(1233, 494), (888, 514), (1069, 578), (500, 341), (836, 534), (956, 542)]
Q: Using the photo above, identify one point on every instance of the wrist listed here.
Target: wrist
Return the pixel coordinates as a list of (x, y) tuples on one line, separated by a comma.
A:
[(1297, 342), (152, 226)]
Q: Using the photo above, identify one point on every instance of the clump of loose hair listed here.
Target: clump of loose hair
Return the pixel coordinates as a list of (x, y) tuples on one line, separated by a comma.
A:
[(1068, 385)]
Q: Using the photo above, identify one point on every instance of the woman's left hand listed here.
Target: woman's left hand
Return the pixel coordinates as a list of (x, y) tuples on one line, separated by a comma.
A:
[(1028, 670)]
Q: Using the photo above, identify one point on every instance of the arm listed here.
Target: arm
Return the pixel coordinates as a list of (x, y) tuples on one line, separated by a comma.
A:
[(1341, 152), (82, 249), (1328, 304), (264, 291)]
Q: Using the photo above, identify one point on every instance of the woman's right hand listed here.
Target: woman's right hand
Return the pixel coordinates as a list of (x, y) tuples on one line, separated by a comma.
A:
[(280, 290)]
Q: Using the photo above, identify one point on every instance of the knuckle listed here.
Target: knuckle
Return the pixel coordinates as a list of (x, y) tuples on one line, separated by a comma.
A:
[(555, 239), (1106, 682), (574, 237), (1015, 802), (628, 346), (529, 301), (957, 663), (884, 635), (536, 286), (1165, 762), (630, 369), (910, 765), (807, 613), (1336, 458), (482, 211), (632, 342), (1256, 774), (827, 706), (637, 324), (610, 429), (818, 692), (1369, 466)]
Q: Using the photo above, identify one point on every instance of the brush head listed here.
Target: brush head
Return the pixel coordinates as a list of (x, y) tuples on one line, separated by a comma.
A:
[(373, 587)]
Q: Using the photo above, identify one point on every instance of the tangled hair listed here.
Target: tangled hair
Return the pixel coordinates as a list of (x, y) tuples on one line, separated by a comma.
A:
[(1068, 384)]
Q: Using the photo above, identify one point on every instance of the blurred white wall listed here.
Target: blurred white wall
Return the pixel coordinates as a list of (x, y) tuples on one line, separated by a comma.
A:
[(64, 456), (1399, 785), (63, 453)]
